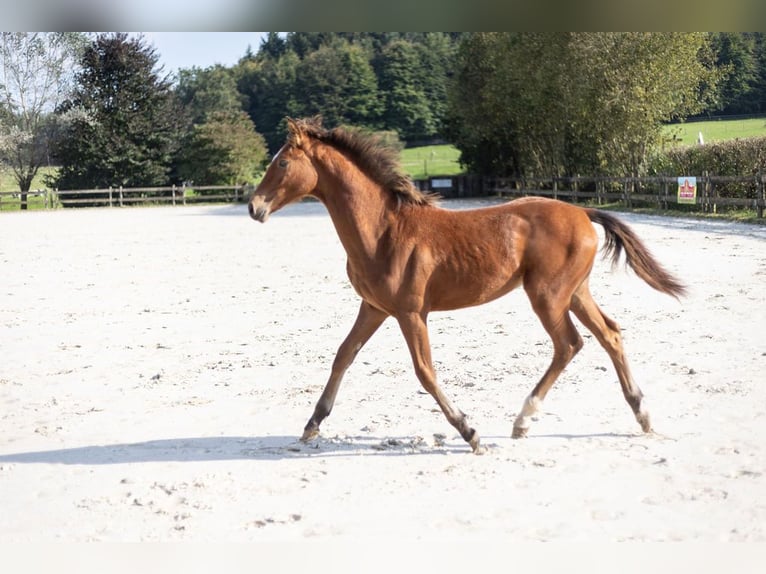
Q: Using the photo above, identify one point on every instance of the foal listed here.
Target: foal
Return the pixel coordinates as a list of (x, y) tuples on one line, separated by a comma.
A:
[(408, 257)]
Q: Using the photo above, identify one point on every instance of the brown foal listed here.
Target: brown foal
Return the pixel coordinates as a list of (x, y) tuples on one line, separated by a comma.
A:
[(408, 257)]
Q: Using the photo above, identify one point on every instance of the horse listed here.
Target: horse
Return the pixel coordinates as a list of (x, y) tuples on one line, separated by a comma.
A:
[(407, 257)]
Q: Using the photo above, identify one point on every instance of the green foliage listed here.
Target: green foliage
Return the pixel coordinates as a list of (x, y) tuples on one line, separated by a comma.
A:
[(737, 54), (406, 108), (567, 103), (390, 80), (735, 157), (338, 82), (123, 120), (204, 91), (225, 149), (268, 85)]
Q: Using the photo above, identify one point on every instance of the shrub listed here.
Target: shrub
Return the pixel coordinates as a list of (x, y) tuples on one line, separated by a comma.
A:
[(737, 157)]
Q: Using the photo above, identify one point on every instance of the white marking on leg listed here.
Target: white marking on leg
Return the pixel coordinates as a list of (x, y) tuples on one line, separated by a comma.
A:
[(530, 407), (642, 416)]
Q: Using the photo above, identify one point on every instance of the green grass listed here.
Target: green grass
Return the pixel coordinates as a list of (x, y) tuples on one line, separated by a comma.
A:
[(428, 161), (8, 183), (716, 130)]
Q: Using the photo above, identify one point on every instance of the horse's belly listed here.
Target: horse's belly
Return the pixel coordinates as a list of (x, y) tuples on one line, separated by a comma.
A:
[(446, 296)]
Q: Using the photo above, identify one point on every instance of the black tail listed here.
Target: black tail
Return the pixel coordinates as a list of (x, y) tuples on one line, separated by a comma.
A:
[(618, 237)]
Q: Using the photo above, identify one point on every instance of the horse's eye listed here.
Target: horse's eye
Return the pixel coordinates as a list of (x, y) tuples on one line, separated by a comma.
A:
[(282, 163)]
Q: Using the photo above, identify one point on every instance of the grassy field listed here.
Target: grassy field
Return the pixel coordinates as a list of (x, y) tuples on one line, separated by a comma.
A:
[(716, 130), (426, 161), (8, 183)]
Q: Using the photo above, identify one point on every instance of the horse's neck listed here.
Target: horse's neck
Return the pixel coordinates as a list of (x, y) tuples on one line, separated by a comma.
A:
[(357, 206)]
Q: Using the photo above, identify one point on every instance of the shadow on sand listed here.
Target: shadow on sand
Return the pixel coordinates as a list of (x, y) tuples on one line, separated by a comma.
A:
[(201, 449)]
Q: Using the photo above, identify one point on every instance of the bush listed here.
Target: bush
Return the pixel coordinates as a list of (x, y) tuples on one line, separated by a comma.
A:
[(737, 157)]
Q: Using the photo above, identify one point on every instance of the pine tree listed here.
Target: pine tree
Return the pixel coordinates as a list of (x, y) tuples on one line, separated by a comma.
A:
[(123, 119)]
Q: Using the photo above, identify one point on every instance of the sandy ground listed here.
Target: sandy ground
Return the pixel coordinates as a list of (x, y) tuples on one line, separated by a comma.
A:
[(157, 366)]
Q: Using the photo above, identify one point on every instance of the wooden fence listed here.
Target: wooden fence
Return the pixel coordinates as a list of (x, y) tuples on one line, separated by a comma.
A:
[(120, 197), (714, 192)]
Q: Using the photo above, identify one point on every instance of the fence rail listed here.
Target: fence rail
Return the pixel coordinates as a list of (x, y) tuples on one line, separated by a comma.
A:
[(120, 197), (714, 192)]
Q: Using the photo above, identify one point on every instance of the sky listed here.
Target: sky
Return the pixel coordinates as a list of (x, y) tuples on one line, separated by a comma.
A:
[(202, 49)]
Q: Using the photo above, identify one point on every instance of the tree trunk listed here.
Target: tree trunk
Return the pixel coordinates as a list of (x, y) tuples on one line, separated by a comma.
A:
[(25, 182)]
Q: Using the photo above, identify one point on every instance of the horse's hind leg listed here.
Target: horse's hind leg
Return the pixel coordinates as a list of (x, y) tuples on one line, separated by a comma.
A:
[(608, 334), (566, 343), (367, 322)]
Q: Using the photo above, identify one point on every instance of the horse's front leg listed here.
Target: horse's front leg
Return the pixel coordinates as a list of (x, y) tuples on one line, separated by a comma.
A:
[(367, 322), (415, 331)]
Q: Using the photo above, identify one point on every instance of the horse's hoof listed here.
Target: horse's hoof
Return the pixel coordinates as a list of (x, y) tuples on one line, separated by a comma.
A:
[(519, 432), (309, 435), (643, 419), (476, 444)]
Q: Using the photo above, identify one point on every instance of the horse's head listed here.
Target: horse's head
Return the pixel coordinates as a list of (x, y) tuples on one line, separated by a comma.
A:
[(290, 177)]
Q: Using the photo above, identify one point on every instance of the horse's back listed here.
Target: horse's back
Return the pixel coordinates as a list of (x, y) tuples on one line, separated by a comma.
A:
[(549, 217)]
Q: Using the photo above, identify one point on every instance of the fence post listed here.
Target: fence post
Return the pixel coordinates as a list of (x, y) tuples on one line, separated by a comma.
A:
[(625, 198), (173, 194), (110, 196), (183, 193), (706, 201), (120, 196)]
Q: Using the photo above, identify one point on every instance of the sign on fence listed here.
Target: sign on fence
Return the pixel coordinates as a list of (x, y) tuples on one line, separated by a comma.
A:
[(687, 189)]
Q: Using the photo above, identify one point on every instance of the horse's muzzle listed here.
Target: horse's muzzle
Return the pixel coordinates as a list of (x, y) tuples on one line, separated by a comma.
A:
[(259, 209)]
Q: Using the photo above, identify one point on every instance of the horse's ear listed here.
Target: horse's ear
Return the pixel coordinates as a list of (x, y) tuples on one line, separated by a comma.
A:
[(293, 132)]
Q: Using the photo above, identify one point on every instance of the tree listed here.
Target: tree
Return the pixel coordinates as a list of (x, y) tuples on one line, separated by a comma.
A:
[(225, 150), (390, 80), (273, 46), (639, 81), (437, 56), (567, 103), (736, 52), (406, 106), (268, 85), (338, 82), (206, 91), (759, 83), (477, 118), (126, 120), (35, 70)]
